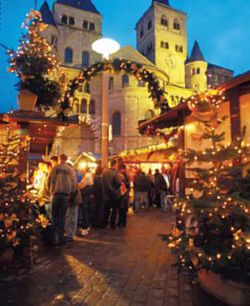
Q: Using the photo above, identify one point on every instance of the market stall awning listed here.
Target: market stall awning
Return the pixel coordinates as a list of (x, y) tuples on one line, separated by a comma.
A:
[(40, 128), (173, 118)]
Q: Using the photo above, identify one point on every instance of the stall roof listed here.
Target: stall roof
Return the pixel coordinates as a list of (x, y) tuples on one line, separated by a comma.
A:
[(41, 129), (172, 118)]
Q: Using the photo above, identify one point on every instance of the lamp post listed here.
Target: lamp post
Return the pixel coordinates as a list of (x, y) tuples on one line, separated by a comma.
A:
[(105, 46)]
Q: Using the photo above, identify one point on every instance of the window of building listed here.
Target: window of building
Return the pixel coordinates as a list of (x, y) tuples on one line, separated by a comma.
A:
[(166, 45), (75, 106), (177, 25), (141, 32), (198, 70), (53, 40), (125, 81), (87, 88), (162, 44), (85, 58), (64, 19), (68, 55), (84, 105), (71, 20), (149, 114), (111, 83), (92, 26), (150, 25), (164, 21), (193, 71), (176, 48), (92, 107), (85, 24), (116, 124), (141, 83)]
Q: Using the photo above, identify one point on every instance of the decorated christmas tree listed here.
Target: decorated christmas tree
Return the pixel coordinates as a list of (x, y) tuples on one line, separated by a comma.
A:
[(15, 222), (34, 62), (214, 218)]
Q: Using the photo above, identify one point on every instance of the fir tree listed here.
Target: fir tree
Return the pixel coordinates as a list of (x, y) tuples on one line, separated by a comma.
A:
[(214, 220), (34, 62)]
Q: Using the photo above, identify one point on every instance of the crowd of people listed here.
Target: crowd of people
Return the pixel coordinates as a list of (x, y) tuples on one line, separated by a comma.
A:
[(78, 200)]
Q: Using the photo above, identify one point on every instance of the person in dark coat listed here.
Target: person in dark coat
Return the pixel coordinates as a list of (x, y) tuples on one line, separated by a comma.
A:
[(98, 208), (111, 195), (125, 189)]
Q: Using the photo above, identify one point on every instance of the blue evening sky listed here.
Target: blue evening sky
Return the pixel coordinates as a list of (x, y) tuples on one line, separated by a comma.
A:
[(221, 28)]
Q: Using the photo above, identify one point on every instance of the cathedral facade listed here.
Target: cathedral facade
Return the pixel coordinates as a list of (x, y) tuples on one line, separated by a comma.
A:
[(162, 47)]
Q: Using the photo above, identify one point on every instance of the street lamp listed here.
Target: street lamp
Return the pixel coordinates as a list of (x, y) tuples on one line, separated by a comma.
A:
[(105, 46)]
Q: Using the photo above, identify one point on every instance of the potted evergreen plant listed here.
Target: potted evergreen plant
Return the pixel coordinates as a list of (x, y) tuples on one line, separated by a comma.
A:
[(34, 63)]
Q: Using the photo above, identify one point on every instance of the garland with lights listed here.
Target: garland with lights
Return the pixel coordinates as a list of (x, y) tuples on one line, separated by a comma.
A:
[(213, 221), (34, 62), (121, 66)]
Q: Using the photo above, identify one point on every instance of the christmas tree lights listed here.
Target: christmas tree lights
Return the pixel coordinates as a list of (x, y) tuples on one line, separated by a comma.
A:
[(213, 220), (34, 62)]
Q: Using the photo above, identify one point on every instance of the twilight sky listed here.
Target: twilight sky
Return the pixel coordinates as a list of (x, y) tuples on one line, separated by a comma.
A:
[(221, 28)]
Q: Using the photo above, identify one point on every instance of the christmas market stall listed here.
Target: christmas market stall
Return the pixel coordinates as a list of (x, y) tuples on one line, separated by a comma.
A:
[(23, 135), (211, 238)]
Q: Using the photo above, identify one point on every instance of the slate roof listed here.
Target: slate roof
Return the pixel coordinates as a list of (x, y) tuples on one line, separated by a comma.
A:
[(85, 5), (47, 15), (211, 66), (196, 54), (166, 2)]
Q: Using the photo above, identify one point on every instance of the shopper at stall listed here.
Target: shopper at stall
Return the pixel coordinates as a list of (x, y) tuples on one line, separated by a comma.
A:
[(142, 185), (165, 185), (98, 205), (86, 187), (123, 203), (151, 193), (111, 195), (72, 211), (54, 161), (157, 188), (61, 184)]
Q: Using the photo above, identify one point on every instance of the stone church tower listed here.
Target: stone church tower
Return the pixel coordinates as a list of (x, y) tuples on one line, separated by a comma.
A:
[(73, 26), (162, 38), (196, 70)]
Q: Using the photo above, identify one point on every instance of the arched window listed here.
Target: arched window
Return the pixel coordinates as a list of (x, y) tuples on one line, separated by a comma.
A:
[(75, 106), (150, 25), (87, 88), (92, 26), (84, 106), (85, 59), (164, 21), (92, 107), (64, 19), (116, 124), (177, 25), (149, 114), (125, 81), (198, 70), (68, 56), (111, 83), (141, 32), (85, 25), (71, 20)]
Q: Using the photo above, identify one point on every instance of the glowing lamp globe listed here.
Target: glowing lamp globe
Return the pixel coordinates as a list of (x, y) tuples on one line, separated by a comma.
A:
[(105, 46)]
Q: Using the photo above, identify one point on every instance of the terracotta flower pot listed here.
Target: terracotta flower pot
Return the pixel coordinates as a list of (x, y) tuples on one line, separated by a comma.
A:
[(229, 292), (27, 100)]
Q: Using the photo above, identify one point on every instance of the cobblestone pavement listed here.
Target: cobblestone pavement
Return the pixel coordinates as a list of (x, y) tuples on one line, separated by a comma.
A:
[(108, 268)]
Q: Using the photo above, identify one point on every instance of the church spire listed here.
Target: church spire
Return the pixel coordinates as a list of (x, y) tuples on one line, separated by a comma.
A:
[(166, 2), (196, 54)]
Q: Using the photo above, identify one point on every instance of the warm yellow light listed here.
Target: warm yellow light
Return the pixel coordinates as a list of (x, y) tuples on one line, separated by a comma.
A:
[(83, 165), (105, 46)]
